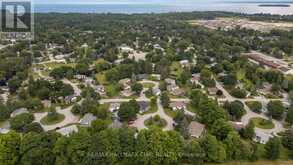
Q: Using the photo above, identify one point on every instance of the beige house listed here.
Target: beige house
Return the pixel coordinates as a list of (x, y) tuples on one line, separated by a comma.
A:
[(196, 129)]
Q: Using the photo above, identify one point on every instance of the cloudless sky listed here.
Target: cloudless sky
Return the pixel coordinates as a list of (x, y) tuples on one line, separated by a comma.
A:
[(136, 1)]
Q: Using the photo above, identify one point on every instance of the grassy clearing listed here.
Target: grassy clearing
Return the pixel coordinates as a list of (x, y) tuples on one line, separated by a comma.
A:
[(262, 123), (155, 121), (170, 113), (48, 121), (153, 109), (176, 69), (148, 85), (57, 65)]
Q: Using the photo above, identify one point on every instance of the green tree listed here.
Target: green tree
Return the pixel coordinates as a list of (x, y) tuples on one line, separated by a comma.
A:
[(161, 147), (215, 151), (235, 109), (137, 88), (4, 112), (20, 121), (194, 153), (289, 117), (165, 100), (273, 147), (128, 110), (276, 109), (9, 147)]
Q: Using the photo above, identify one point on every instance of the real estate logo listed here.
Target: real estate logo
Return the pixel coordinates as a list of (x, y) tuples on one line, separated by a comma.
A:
[(16, 20)]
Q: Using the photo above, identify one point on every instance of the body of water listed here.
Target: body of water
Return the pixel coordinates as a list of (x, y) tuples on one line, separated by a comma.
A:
[(249, 8)]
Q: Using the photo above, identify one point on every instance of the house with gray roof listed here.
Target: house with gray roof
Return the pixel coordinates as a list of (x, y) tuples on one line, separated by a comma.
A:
[(87, 119)]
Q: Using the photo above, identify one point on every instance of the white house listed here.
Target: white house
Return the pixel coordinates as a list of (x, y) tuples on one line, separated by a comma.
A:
[(67, 131), (261, 137)]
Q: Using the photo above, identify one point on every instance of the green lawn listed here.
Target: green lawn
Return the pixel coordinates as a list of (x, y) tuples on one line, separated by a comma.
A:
[(152, 109), (176, 69), (101, 78), (191, 109), (47, 121), (170, 113), (156, 122), (57, 65), (262, 123), (148, 85)]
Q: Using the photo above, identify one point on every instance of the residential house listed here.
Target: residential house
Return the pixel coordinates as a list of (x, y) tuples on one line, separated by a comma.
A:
[(170, 81), (47, 103), (266, 88), (261, 137), (126, 49), (184, 63), (143, 106), (237, 125), (156, 91), (67, 131), (126, 87), (178, 92), (195, 80), (114, 107), (196, 129), (87, 119), (70, 99), (213, 91), (4, 131), (178, 106), (100, 89), (158, 47), (172, 87), (18, 112)]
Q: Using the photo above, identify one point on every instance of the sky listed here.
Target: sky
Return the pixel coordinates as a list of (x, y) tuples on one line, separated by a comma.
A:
[(136, 1)]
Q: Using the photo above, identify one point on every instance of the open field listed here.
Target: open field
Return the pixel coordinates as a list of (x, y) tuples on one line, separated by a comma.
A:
[(262, 123), (232, 23)]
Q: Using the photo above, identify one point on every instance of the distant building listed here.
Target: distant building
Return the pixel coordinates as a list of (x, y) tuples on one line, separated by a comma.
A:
[(196, 129), (67, 131), (87, 119), (126, 49), (178, 106), (18, 112)]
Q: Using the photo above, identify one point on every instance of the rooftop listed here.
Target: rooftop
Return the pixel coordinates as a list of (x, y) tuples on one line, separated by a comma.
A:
[(196, 129)]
